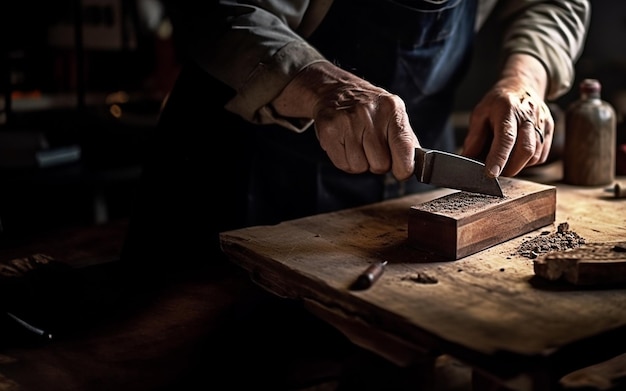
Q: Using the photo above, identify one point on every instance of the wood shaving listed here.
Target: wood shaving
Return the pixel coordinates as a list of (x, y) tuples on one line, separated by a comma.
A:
[(422, 278), (546, 242)]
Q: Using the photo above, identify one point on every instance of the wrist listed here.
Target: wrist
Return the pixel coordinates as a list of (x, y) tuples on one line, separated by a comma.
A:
[(529, 69), (299, 98)]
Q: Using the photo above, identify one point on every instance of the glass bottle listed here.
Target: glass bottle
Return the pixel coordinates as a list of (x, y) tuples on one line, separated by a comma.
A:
[(590, 132)]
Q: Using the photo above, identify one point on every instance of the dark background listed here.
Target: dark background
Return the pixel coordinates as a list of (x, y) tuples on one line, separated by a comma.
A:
[(75, 108), (73, 117)]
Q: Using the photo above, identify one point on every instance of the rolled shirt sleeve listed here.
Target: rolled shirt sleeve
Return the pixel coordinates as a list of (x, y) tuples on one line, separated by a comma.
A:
[(552, 31), (253, 49), (255, 46)]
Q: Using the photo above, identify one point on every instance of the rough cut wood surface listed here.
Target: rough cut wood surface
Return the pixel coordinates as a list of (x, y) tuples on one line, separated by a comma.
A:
[(591, 264), (487, 308), (460, 224)]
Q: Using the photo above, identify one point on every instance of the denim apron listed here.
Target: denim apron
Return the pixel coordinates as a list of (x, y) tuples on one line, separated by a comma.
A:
[(207, 170), (417, 49)]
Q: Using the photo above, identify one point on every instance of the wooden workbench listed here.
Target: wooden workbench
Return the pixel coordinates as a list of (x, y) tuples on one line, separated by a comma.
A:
[(487, 309)]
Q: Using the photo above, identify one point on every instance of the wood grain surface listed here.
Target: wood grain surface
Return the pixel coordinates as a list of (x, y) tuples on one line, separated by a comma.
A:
[(461, 223), (488, 308)]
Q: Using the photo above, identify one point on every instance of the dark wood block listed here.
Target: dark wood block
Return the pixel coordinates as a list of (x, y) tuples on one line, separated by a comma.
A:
[(462, 223)]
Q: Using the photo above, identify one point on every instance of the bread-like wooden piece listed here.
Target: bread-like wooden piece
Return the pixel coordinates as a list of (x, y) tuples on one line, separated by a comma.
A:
[(590, 264), (462, 223)]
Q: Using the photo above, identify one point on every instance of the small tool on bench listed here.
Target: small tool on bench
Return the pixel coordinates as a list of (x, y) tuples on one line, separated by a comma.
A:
[(369, 276), (446, 169)]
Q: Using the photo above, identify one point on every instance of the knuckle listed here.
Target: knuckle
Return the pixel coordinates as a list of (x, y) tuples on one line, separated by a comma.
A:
[(526, 150)]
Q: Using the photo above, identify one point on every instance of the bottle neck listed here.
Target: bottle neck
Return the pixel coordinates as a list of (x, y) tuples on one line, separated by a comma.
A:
[(589, 95), (589, 89)]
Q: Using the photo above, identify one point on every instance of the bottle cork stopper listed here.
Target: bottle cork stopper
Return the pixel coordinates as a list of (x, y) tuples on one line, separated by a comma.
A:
[(590, 86)]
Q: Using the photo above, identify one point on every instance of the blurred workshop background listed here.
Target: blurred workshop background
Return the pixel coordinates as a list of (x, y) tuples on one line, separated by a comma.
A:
[(82, 82)]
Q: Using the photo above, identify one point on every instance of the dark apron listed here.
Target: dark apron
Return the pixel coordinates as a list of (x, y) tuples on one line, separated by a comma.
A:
[(419, 50), (207, 170)]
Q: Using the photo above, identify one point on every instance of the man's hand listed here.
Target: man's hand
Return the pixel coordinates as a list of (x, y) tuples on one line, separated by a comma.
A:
[(512, 122), (360, 126)]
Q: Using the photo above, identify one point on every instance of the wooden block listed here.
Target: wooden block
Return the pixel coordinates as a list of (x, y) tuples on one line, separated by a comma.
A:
[(462, 223), (591, 264)]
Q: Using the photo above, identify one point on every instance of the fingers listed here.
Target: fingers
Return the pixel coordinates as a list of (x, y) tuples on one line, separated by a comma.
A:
[(510, 129), (341, 134), (535, 130), (341, 145), (400, 137), (522, 149), (371, 134)]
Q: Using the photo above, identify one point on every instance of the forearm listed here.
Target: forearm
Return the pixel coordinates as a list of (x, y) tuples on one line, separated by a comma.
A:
[(254, 50), (553, 32), (299, 97)]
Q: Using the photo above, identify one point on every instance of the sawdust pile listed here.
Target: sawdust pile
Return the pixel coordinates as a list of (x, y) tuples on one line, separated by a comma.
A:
[(562, 239), (459, 202)]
